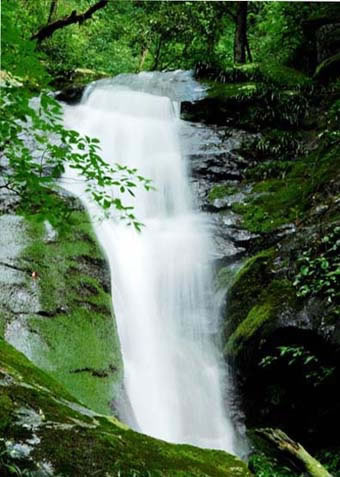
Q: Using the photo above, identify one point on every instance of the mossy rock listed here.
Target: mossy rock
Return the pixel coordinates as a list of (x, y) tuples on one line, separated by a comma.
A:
[(65, 324), (255, 299), (220, 191), (260, 320), (43, 427), (248, 283), (277, 202)]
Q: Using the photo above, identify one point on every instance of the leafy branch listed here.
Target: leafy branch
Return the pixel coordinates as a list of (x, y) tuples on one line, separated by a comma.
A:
[(35, 148)]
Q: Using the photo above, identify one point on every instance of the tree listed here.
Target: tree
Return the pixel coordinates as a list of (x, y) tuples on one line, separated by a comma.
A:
[(241, 45)]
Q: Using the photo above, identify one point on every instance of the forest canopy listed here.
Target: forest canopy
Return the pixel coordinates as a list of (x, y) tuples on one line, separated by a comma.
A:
[(133, 35)]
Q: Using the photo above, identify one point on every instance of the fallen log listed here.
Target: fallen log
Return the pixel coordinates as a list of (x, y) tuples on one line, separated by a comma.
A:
[(293, 450)]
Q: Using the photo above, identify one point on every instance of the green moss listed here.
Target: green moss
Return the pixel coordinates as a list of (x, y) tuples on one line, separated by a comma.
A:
[(77, 442), (247, 285), (6, 408), (230, 90), (270, 301), (226, 276), (23, 370), (280, 201), (221, 191), (80, 353), (284, 76), (254, 320), (255, 298), (74, 337), (270, 72)]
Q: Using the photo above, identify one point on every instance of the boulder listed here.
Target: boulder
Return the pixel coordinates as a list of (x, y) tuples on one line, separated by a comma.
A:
[(46, 432)]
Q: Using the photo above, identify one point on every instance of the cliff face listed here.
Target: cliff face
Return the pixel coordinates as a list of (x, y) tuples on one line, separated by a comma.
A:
[(271, 191)]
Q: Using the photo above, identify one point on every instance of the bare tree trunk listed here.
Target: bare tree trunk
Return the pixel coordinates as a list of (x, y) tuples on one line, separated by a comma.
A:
[(143, 57), (240, 40), (285, 444), (53, 9), (48, 30)]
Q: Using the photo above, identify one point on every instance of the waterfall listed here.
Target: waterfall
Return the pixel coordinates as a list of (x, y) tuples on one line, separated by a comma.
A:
[(162, 283)]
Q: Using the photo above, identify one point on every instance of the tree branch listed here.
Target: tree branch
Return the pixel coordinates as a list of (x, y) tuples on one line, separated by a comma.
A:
[(48, 30)]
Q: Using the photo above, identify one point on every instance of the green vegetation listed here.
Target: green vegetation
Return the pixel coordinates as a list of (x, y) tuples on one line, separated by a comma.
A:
[(320, 268), (280, 202), (32, 171), (300, 356), (263, 466)]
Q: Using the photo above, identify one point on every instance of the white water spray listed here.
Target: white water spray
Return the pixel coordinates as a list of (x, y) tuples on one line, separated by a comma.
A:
[(161, 278)]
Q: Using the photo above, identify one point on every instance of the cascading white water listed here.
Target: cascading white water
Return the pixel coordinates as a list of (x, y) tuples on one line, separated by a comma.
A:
[(161, 278)]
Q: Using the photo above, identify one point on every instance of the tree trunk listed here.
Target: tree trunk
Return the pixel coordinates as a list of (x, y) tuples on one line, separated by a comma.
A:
[(294, 450), (157, 54), (240, 40)]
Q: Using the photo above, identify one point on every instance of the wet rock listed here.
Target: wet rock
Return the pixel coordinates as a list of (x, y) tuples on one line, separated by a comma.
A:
[(71, 94), (55, 302)]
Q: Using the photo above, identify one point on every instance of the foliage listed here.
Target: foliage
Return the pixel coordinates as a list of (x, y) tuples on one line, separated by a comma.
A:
[(129, 35), (296, 355), (18, 54), (10, 462), (331, 133), (263, 466), (282, 145), (277, 30), (331, 460), (36, 148), (319, 268)]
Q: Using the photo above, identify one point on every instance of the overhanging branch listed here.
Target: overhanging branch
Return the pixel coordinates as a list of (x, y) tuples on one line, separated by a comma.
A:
[(48, 30)]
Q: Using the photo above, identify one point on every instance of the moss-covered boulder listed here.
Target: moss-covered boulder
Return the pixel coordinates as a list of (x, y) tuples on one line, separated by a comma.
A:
[(42, 428), (55, 305), (256, 299)]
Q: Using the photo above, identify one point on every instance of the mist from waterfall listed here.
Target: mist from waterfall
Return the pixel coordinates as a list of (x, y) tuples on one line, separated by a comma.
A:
[(162, 282)]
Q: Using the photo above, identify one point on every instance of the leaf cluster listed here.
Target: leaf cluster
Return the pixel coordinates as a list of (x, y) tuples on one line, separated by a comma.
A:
[(296, 355), (319, 269), (35, 149)]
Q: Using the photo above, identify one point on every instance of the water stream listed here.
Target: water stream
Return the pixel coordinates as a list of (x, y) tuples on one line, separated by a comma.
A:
[(162, 285)]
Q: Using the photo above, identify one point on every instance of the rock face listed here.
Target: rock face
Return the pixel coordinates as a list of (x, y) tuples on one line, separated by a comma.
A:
[(55, 305), (272, 216), (45, 431)]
